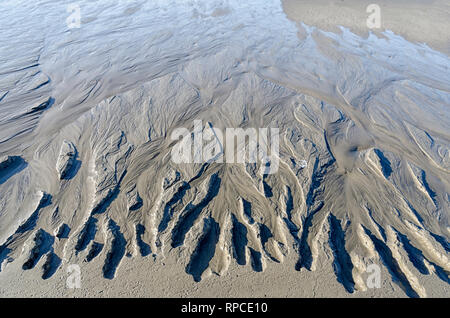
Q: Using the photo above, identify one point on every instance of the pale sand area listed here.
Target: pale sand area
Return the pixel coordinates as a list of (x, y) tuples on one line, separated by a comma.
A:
[(144, 277), (422, 21), (86, 118)]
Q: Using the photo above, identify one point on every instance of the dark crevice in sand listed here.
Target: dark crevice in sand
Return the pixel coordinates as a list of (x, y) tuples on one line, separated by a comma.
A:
[(43, 243), (247, 208), (418, 216), (169, 207), (192, 212), (255, 260), (116, 252), (95, 250), (342, 264), (63, 232), (442, 241), (4, 252), (293, 229), (441, 273), (4, 95), (10, 166), (379, 227), (31, 222), (267, 190), (239, 240), (87, 234), (205, 250), (74, 169), (144, 248), (51, 265), (26, 227), (305, 257), (385, 163), (104, 204), (265, 234), (38, 109), (414, 254), (391, 264), (430, 192)]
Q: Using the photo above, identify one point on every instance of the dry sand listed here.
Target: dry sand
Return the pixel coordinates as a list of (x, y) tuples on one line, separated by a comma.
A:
[(86, 176)]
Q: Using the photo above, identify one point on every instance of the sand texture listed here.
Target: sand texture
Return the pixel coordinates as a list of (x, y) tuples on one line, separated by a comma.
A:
[(86, 176)]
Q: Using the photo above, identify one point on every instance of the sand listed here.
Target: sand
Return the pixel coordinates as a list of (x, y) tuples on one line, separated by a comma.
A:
[(86, 170), (418, 21)]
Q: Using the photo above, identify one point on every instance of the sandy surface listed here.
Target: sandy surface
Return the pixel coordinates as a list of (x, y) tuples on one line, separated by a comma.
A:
[(144, 277), (87, 177), (418, 21)]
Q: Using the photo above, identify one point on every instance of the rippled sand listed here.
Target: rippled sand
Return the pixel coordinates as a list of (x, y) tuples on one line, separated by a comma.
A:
[(86, 177)]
